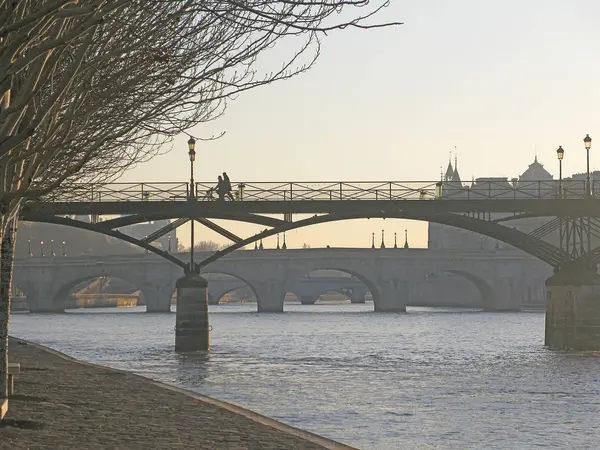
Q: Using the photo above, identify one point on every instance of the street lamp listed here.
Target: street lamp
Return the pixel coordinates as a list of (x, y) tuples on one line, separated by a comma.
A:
[(64, 250), (52, 248), (372, 240), (29, 243), (561, 154), (42, 248), (192, 155), (395, 240), (382, 239), (587, 140)]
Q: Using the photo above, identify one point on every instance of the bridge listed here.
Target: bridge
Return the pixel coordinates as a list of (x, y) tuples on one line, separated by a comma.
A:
[(490, 206), (503, 282)]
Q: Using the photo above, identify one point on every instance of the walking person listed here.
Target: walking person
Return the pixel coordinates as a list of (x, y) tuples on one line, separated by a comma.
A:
[(227, 183), (221, 189)]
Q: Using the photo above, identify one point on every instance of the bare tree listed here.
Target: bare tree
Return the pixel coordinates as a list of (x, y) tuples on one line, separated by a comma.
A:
[(89, 88)]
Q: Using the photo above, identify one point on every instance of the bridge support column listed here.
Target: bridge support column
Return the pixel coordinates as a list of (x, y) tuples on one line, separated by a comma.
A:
[(269, 295), (573, 311), (41, 299), (507, 295), (357, 295), (392, 296), (191, 320), (158, 299), (308, 299)]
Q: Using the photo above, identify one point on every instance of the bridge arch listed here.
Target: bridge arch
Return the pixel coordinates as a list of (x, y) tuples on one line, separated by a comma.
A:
[(216, 299), (536, 247), (240, 282), (486, 292), (60, 295), (367, 277)]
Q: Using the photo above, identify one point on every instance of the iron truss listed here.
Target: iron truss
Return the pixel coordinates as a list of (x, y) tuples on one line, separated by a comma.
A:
[(574, 215)]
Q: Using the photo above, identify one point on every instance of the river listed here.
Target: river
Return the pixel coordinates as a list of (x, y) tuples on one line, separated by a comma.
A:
[(431, 378)]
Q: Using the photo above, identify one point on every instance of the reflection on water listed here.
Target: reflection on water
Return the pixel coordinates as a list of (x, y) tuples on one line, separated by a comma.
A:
[(431, 378)]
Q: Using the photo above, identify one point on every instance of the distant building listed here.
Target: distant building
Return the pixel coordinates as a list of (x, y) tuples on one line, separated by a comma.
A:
[(535, 181)]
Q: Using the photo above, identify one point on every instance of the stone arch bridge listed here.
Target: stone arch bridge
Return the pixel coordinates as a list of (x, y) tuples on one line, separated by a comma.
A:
[(504, 279)]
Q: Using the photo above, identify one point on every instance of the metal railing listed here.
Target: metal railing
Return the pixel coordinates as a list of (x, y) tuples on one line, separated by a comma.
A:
[(326, 191)]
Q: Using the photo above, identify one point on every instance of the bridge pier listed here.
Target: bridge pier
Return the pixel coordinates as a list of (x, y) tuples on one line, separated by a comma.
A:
[(191, 319), (357, 295), (392, 296), (506, 296), (270, 295), (573, 311), (41, 299), (158, 299)]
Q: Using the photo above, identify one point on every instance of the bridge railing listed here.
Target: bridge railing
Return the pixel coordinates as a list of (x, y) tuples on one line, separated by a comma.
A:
[(481, 189)]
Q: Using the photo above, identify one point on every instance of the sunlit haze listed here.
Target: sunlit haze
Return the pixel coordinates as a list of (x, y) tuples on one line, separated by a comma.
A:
[(500, 81)]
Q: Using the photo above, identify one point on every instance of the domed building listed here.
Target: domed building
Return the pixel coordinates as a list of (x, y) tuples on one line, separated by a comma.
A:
[(535, 172), (447, 237)]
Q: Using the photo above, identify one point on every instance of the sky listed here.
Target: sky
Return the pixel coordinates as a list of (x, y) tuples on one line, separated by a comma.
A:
[(501, 81)]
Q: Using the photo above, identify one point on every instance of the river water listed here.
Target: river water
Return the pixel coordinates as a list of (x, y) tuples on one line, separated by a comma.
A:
[(431, 378)]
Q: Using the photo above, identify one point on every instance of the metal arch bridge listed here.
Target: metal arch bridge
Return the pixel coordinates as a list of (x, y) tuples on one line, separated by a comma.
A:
[(571, 206)]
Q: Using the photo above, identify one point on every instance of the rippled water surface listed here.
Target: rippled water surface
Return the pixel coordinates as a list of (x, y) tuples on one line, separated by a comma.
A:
[(430, 378)]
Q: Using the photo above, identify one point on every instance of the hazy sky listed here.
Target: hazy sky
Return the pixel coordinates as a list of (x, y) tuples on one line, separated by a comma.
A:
[(498, 80)]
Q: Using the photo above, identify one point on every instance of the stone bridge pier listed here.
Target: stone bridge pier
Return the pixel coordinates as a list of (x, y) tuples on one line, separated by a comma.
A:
[(573, 310), (158, 295)]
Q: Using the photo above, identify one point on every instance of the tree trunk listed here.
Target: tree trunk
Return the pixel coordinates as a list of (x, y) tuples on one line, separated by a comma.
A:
[(6, 267)]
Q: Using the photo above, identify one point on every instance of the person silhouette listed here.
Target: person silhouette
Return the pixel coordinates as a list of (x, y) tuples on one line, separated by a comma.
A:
[(221, 189), (227, 183)]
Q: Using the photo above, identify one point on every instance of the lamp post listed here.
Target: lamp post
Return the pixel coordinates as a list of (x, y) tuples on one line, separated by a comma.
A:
[(372, 240), (587, 140), (42, 248), (29, 244), (169, 239), (395, 240), (560, 153), (382, 239), (52, 248), (64, 250), (192, 155)]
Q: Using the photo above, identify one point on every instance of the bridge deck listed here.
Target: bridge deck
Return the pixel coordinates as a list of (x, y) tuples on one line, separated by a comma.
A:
[(185, 208)]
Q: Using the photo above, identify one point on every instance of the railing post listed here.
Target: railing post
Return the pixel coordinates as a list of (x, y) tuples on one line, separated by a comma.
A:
[(489, 189), (341, 190), (92, 193), (539, 190), (142, 186), (390, 190), (291, 190), (376, 194)]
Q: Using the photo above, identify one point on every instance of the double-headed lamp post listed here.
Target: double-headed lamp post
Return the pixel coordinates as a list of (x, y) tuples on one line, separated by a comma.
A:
[(560, 153), (587, 140), (192, 196)]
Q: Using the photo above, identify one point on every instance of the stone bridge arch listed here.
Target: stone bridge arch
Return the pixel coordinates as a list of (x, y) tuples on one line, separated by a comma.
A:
[(272, 280), (486, 291), (47, 284), (217, 292), (60, 295)]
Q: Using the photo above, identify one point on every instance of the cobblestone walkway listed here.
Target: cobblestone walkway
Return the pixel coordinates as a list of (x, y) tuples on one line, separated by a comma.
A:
[(62, 404)]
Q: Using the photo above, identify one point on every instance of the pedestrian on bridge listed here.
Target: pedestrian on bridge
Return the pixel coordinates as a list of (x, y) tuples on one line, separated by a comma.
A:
[(220, 189), (227, 183)]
